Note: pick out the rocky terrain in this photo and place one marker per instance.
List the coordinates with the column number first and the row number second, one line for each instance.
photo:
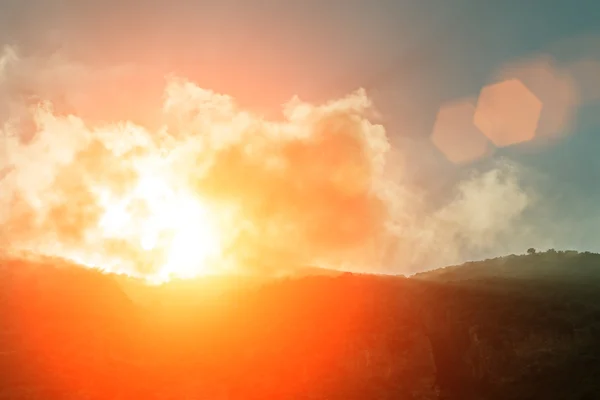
column 523, row 327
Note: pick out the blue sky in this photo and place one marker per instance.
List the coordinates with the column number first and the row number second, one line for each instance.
column 412, row 57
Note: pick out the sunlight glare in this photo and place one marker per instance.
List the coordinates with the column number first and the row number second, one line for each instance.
column 172, row 223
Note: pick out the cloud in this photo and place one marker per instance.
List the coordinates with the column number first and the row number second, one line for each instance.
column 483, row 217
column 299, row 189
column 314, row 188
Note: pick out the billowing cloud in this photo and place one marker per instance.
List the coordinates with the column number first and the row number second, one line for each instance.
column 211, row 183
column 483, row 217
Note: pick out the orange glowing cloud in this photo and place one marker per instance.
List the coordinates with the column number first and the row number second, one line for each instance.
column 209, row 187
column 213, row 188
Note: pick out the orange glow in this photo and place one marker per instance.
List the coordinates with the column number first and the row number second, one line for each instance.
column 212, row 189
column 176, row 224
column 152, row 221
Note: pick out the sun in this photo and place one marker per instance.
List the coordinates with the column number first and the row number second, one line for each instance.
column 170, row 226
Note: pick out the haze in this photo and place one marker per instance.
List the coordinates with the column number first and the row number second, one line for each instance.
column 459, row 192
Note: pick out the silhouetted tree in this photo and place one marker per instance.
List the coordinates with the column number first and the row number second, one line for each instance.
column 531, row 250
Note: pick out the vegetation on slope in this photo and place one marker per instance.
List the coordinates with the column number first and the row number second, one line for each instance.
column 518, row 327
column 530, row 325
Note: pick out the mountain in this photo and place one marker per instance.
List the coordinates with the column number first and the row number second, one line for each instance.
column 517, row 327
column 525, row 327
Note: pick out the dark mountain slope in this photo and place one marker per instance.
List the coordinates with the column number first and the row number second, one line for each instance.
column 526, row 327
column 511, row 328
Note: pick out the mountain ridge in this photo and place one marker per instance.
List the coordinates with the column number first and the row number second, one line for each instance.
column 504, row 328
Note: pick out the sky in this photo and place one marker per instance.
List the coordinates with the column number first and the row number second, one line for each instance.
column 413, row 57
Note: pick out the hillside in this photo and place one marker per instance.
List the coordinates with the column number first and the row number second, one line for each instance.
column 519, row 327
column 529, row 325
